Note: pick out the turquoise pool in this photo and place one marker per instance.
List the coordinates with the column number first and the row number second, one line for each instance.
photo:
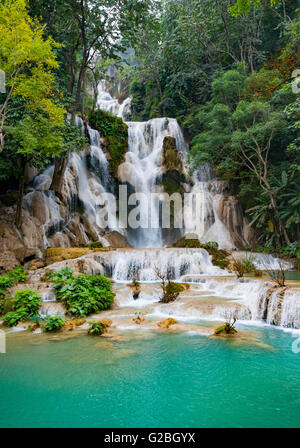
column 161, row 380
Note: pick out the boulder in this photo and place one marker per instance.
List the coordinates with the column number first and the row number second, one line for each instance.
column 116, row 240
column 136, row 289
column 8, row 261
column 167, row 323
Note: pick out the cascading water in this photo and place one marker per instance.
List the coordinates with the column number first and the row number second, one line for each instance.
column 142, row 169
column 86, row 180
column 207, row 212
column 109, row 104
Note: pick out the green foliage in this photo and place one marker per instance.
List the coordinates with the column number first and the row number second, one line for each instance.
column 171, row 291
column 12, row 318
column 115, row 131
column 18, row 275
column 28, row 60
column 28, row 299
column 219, row 257
column 25, row 304
column 97, row 328
column 96, row 245
column 292, row 250
column 227, row 329
column 9, row 279
column 244, row 6
column 54, row 323
column 82, row 294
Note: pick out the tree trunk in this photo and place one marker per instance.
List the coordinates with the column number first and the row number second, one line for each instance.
column 81, row 77
column 58, row 176
column 278, row 219
column 20, row 196
column 83, row 94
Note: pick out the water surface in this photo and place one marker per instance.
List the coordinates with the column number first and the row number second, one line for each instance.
column 150, row 380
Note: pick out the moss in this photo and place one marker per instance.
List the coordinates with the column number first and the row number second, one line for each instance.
column 219, row 256
column 167, row 323
column 96, row 245
column 172, row 160
column 173, row 177
column 54, row 255
column 116, row 133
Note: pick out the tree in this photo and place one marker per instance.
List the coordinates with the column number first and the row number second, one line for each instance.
column 244, row 6
column 36, row 140
column 247, row 142
column 28, row 61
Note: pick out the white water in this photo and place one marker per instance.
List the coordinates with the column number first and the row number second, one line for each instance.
column 109, row 104
column 82, row 185
column 143, row 167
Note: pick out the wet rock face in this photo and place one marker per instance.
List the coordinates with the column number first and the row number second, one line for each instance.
column 230, row 213
column 8, row 261
column 116, row 240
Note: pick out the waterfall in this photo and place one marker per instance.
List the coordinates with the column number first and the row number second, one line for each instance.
column 143, row 167
column 86, row 180
column 109, row 104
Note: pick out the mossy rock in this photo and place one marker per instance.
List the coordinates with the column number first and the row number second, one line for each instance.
column 115, row 132
column 95, row 245
column 54, row 255
column 173, row 177
column 219, row 256
column 225, row 330
column 167, row 323
column 172, row 159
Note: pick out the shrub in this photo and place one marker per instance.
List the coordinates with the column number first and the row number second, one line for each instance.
column 245, row 266
column 222, row 263
column 14, row 317
column 27, row 299
column 292, row 250
column 238, row 268
column 97, row 328
column 96, row 245
column 18, row 275
column 25, row 305
column 82, row 294
column 11, row 278
column 54, row 323
column 227, row 329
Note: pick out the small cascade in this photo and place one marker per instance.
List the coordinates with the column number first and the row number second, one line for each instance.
column 212, row 213
column 109, row 104
column 142, row 264
column 264, row 262
column 290, row 309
